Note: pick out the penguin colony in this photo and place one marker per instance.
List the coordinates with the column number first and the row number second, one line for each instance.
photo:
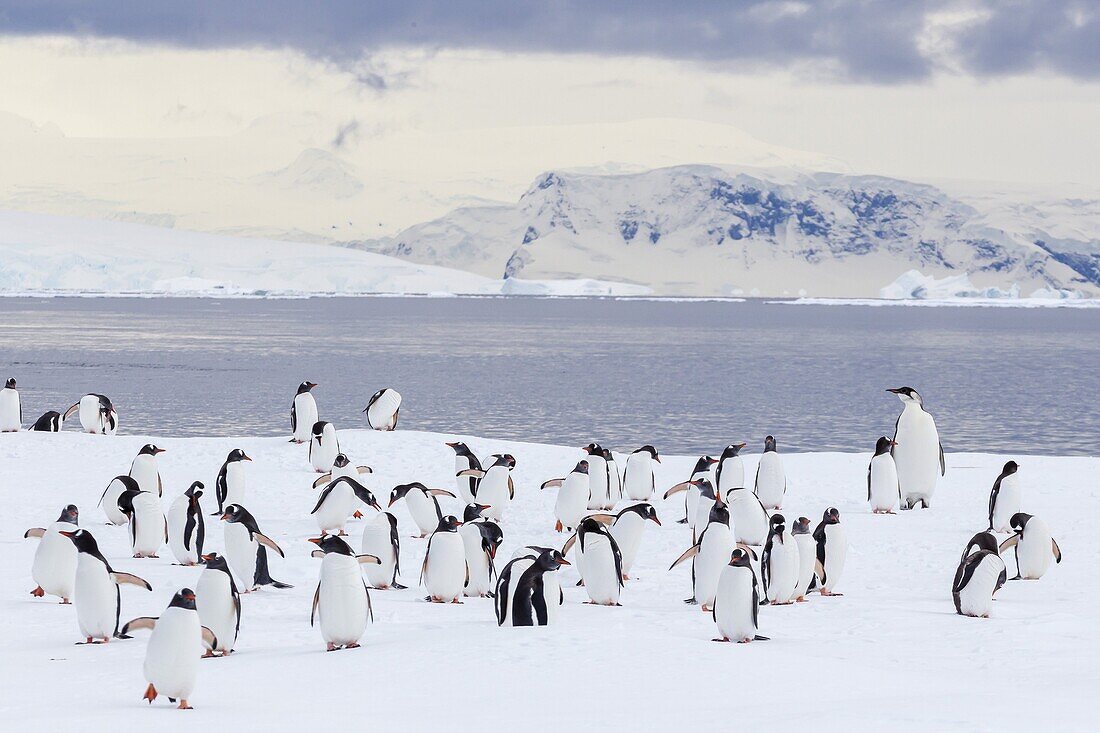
column 743, row 552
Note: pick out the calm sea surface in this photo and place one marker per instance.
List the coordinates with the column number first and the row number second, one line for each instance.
column 686, row 377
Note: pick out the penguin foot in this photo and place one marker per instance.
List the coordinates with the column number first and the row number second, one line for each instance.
column 800, row 599
column 398, row 586
column 457, row 601
column 209, row 654
column 826, row 592
column 352, row 646
column 1018, row 577
column 722, row 639
column 690, row 601
column 682, row 521
column 358, row 514
column 150, row 693
column 342, row 533
column 38, row 592
column 705, row 608
column 331, row 647
column 184, row 705
column 65, row 602
column 765, row 602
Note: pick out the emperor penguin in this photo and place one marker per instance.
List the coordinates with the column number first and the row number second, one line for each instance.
column 638, row 480
column 147, row 524
column 54, row 565
column 917, row 452
column 709, row 556
column 572, row 502
column 614, row 480
column 444, row 572
column 628, row 528
column 737, row 601
column 229, row 487
column 186, row 526
column 729, row 474
column 97, row 414
column 807, row 557
column 246, row 549
column 337, row 502
column 50, row 422
column 1034, row 546
column 750, row 518
column 219, row 604
column 495, row 488
column 600, row 563
column 109, row 500
column 464, row 460
column 481, row 538
column 303, row 413
column 172, row 655
column 382, row 409
column 324, row 446
column 521, row 598
column 146, row 471
column 980, row 575
column 883, row 490
column 599, row 484
column 11, row 411
column 771, row 479
column 1004, row 499
column 95, row 591
column 832, row 549
column 341, row 603
column 380, row 538
column 422, row 503
column 779, row 565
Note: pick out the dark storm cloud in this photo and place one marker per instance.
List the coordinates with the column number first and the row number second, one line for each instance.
column 870, row 40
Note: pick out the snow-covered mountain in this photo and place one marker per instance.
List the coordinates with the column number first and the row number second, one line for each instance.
column 704, row 230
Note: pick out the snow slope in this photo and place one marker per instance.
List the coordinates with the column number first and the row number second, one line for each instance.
column 890, row 651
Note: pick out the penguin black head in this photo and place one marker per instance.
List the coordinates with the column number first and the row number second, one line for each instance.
column 195, row 490
column 460, row 448
column 802, row 526
column 778, row 521
column 306, row 387
column 401, row 490
column 550, row 560
column 185, row 599
column 739, row 558
column 149, row 450
column 83, row 540
column 491, row 537
column 581, row 467
column 732, row 450
column 236, row 455
column 69, row 514
column 506, row 459
column 341, row 460
column 606, row 455
column 1019, row 521
column 10, row 384
column 983, row 541
column 720, row 513
column 448, row 523
column 1010, row 468
column 651, row 451
column 332, row 543
column 706, row 488
column 831, row 516
column 593, row 449
column 473, row 512
column 319, row 429
column 126, row 501
column 588, row 524
column 644, row 510
column 704, row 464
column 883, row 445
column 214, row 561
column 233, row 513
column 907, row 394
column 769, row 444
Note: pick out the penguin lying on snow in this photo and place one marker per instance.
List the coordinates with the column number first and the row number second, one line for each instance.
column 54, row 566
column 521, row 589
column 979, row 576
column 96, row 590
column 341, row 603
column 1034, row 546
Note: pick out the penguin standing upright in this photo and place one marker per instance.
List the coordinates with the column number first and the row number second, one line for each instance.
column 771, row 479
column 749, row 517
column 97, row 414
column 146, row 471
column 246, row 549
column 175, row 646
column 229, row 487
column 702, row 470
column 186, row 526
column 832, row 549
column 303, row 413
column 380, row 538
column 495, row 489
column 709, row 556
column 627, row 529
column 521, row 597
column 737, row 601
column 480, row 538
column 219, row 603
column 600, row 563
column 779, row 565
column 638, row 480
column 422, row 503
column 337, row 502
column 444, row 572
column 323, row 446
column 598, row 483
column 573, row 494
column 552, row 595
column 95, row 592
column 730, row 471
column 1034, row 546
column 464, row 460
column 980, row 575
column 1004, row 499
column 109, row 500
column 807, row 557
column 343, row 467
column 11, row 411
column 54, row 565
column 341, row 603
column 917, row 451
column 614, row 480
column 883, row 490
column 147, row 524
column 50, row 422
column 382, row 409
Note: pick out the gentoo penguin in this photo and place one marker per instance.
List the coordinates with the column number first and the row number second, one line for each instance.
column 737, row 601
column 1034, row 546
column 54, row 566
column 97, row 414
column 627, row 529
column 883, row 490
column 807, row 557
column 229, row 486
column 246, row 549
column 730, row 471
column 341, row 603
column 323, row 446
column 614, row 480
column 552, row 594
column 50, row 422
column 599, row 484
column 750, row 518
column 495, row 489
column 638, row 481
column 145, row 470
column 521, row 598
column 480, row 538
column 382, row 409
column 11, row 412
column 600, row 563
column 691, row 498
column 186, row 526
column 380, row 539
column 704, row 504
column 1004, row 499
column 337, row 502
column 95, row 592
column 832, row 549
column 109, row 500
column 422, row 503
column 709, row 556
column 771, row 479
column 172, row 656
column 303, row 413
column 444, row 572
column 219, row 603
column 572, row 501
column 980, row 574
column 342, row 466
column 917, row 451
column 465, row 459
column 147, row 524
column 779, row 565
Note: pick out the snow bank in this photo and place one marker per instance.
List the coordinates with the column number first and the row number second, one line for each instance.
column 914, row 284
column 891, row 649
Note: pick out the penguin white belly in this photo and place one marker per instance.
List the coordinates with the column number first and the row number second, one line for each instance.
column 234, row 484
column 172, row 656
column 322, row 453
column 305, row 415
column 1008, row 503
column 749, row 520
column 917, row 454
column 91, row 420
column 464, row 484
column 703, row 505
column 691, row 510
column 627, row 531
column 732, row 476
column 342, row 603
column 147, row 529
column 572, row 502
column 376, row 541
column 382, row 414
column 96, row 598
column 597, row 566
column 771, row 480
column 109, row 502
column 177, row 521
column 976, row 598
column 422, row 509
column 807, row 558
column 638, row 481
column 476, row 560
column 614, row 485
column 217, row 611
column 54, row 565
column 9, row 410
column 783, row 571
column 240, row 553
column 836, row 552
column 733, row 604
column 1034, row 551
column 714, row 554
column 446, row 571
column 597, row 482
column 552, row 595
column 332, row 515
column 493, row 490
column 884, row 484
column 145, row 471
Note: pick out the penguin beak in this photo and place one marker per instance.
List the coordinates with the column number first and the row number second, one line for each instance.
column 392, row 500
column 451, row 445
column 158, row 450
column 657, row 458
column 208, row 558
column 375, row 505
column 247, row 458
column 656, row 519
column 483, row 507
column 225, row 517
column 894, row 442
column 67, row 534
column 314, row 540
column 563, row 561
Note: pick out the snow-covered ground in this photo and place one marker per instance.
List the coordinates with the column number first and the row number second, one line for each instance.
column 890, row 653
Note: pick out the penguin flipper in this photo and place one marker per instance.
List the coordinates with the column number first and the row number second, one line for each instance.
column 316, row 602
column 943, row 463
column 569, row 544
column 538, row 600
column 511, row 488
column 34, row 532
column 143, row 622
column 265, row 540
column 320, row 500
column 554, row 483
column 1056, row 549
column 603, row 518
column 121, row 578
column 368, row 559
column 682, row 486
column 475, row 472
column 70, row 411
column 427, row 554
column 317, row 554
column 324, row 478
column 208, row 638
column 363, row 469
column 440, row 492
column 1011, row 542
column 688, row 553
column 819, row 571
